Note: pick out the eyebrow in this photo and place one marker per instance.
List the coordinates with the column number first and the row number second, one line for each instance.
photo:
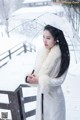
column 47, row 36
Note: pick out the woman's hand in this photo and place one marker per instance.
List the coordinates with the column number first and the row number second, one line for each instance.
column 32, row 79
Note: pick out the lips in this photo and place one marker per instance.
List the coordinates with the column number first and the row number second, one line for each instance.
column 46, row 45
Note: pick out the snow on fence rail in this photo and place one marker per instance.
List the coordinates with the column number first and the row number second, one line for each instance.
column 19, row 104
column 16, row 50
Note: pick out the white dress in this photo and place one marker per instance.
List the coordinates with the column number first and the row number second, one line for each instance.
column 47, row 67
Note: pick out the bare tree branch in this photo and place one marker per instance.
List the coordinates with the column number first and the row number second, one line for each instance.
column 6, row 9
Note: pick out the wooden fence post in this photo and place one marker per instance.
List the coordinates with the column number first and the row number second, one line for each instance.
column 9, row 54
column 30, row 48
column 25, row 48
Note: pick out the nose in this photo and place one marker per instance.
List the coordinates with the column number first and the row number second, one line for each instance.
column 45, row 41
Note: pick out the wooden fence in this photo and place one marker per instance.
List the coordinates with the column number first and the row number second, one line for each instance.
column 16, row 50
column 21, row 103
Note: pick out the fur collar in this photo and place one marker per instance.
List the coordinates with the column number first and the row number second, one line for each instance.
column 47, row 59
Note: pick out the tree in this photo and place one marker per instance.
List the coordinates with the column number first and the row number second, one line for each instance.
column 73, row 12
column 6, row 8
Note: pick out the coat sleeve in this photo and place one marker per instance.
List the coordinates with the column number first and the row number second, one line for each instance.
column 45, row 81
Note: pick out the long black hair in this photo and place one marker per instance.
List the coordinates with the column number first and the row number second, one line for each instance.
column 60, row 39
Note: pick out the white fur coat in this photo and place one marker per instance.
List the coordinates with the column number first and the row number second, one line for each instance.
column 47, row 67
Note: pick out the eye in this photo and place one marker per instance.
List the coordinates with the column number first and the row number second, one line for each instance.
column 48, row 38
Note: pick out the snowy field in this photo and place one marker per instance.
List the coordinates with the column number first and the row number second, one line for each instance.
column 13, row 74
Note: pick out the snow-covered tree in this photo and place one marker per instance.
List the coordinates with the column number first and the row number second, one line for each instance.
column 6, row 8
column 72, row 8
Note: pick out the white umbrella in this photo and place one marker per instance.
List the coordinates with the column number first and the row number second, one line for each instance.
column 59, row 22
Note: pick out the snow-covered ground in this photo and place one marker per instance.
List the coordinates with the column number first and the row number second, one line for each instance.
column 13, row 74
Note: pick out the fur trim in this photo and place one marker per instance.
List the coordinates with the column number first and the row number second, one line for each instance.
column 48, row 62
column 43, row 82
column 46, row 65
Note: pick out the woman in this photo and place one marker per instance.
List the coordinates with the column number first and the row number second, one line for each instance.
column 50, row 72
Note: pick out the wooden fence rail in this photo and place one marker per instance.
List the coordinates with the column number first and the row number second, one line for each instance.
column 21, row 103
column 16, row 50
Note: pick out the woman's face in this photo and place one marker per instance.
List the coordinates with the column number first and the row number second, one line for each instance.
column 48, row 39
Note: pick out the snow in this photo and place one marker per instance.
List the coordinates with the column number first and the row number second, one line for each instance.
column 33, row 12
column 71, row 92
column 5, row 98
column 8, row 43
column 13, row 74
column 75, row 69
